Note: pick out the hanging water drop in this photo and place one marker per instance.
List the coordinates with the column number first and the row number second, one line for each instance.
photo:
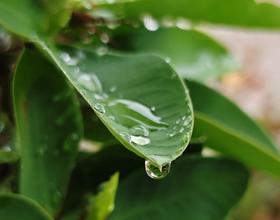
column 157, row 172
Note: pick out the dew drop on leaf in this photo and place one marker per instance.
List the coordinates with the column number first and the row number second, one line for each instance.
column 140, row 140
column 68, row 59
column 157, row 172
column 90, row 82
column 99, row 108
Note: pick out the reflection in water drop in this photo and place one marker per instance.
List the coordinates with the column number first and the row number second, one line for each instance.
column 99, row 108
column 140, row 130
column 157, row 172
column 134, row 113
column 140, row 140
column 150, row 23
column 90, row 82
column 68, row 59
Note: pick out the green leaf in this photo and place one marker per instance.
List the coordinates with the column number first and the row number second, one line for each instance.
column 246, row 13
column 31, row 19
column 228, row 130
column 191, row 53
column 25, row 18
column 90, row 4
column 95, row 130
column 8, row 157
column 14, row 207
column 101, row 166
column 197, row 188
column 49, row 127
column 140, row 99
column 103, row 203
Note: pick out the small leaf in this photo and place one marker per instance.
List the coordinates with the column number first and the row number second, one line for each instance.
column 207, row 190
column 49, row 126
column 192, row 54
column 103, row 203
column 101, row 165
column 35, row 19
column 227, row 129
column 15, row 207
column 140, row 99
column 244, row 13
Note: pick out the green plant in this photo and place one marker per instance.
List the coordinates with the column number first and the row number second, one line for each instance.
column 103, row 74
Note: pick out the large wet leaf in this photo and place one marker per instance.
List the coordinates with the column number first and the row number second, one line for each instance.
column 48, row 129
column 233, row 12
column 208, row 189
column 14, row 207
column 191, row 53
column 102, row 204
column 140, row 99
column 229, row 130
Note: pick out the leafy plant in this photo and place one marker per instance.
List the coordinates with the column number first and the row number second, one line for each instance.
column 90, row 76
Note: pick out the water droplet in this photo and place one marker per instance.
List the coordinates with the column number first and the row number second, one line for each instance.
column 167, row 60
column 150, row 23
column 167, row 22
column 101, row 96
column 183, row 24
column 187, row 121
column 111, row 117
column 104, row 38
column 68, row 59
column 101, row 51
column 157, row 172
column 125, row 135
column 140, row 130
column 113, row 89
column 140, row 140
column 171, row 134
column 99, row 108
column 90, row 82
